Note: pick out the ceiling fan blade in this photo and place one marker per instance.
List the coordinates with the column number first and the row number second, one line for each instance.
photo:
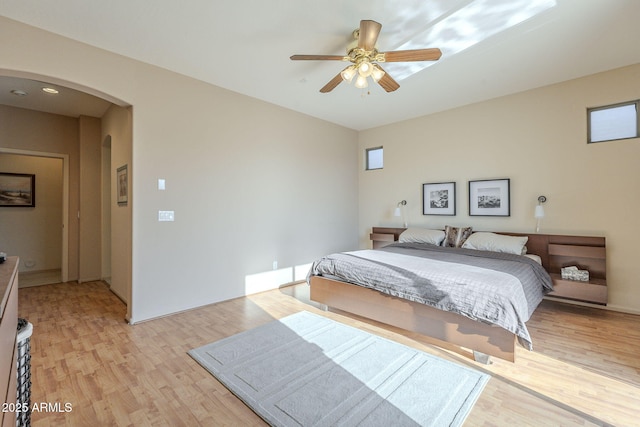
column 369, row 31
column 387, row 82
column 432, row 54
column 316, row 57
column 332, row 84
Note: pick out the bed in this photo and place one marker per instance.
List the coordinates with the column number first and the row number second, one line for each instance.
column 476, row 296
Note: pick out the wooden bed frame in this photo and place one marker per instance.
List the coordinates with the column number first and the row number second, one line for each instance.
column 483, row 339
column 412, row 316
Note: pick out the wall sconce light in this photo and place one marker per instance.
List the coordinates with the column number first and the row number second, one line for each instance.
column 539, row 212
column 400, row 211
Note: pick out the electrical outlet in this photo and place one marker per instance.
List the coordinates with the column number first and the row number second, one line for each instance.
column 161, row 184
column 275, row 265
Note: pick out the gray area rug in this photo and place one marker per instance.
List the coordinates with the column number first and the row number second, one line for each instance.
column 308, row 370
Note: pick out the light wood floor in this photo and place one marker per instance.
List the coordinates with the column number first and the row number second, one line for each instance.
column 585, row 369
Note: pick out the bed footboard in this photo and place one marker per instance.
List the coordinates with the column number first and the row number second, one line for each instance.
column 445, row 326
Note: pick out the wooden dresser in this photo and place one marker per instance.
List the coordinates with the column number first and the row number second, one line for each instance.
column 556, row 252
column 8, row 335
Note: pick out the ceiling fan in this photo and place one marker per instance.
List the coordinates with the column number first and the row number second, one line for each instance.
column 366, row 59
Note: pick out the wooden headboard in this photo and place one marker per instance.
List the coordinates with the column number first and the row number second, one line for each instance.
column 555, row 251
column 585, row 252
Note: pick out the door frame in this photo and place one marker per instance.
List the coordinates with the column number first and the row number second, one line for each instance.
column 64, row 268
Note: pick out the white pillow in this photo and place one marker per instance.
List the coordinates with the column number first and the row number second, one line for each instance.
column 422, row 235
column 536, row 258
column 493, row 242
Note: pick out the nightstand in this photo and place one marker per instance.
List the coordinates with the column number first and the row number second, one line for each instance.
column 587, row 253
column 383, row 236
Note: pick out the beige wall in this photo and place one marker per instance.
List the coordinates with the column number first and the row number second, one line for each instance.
column 90, row 263
column 250, row 183
column 106, row 208
column 538, row 140
column 34, row 234
column 116, row 133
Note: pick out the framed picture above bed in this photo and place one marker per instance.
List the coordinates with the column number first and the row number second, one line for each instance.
column 489, row 197
column 439, row 198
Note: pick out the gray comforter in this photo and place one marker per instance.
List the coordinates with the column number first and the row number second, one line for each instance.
column 495, row 288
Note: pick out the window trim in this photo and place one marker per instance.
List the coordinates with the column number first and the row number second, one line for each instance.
column 610, row 106
column 366, row 155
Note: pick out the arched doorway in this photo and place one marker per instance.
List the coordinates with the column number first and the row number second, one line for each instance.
column 104, row 172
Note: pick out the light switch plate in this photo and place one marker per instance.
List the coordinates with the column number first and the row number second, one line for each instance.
column 161, row 185
column 165, row 216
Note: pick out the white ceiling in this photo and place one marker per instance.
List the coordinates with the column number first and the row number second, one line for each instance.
column 490, row 47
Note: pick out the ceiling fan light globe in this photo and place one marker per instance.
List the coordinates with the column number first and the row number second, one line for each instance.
column 361, row 82
column 376, row 73
column 365, row 68
column 348, row 74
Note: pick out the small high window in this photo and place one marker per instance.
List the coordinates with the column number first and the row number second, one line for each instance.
column 374, row 158
column 611, row 122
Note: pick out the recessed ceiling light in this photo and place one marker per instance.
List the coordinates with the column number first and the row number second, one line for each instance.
column 19, row 92
column 50, row 90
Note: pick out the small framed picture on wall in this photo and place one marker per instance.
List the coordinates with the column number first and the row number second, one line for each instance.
column 123, row 185
column 489, row 197
column 439, row 198
column 17, row 190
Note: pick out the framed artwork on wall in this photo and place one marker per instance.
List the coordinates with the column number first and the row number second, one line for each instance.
column 17, row 190
column 439, row 198
column 122, row 182
column 489, row 198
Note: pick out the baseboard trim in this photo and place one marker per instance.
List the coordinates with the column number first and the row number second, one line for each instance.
column 27, row 279
column 135, row 322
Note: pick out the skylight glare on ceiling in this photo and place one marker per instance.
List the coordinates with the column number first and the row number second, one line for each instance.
column 462, row 29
